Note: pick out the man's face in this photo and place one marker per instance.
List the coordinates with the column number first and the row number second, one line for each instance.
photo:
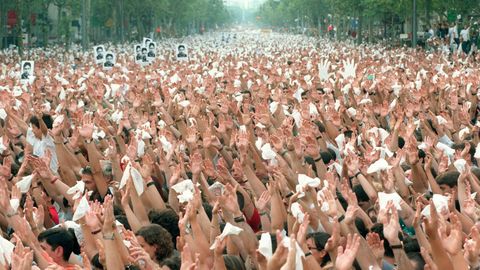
column 88, row 180
column 181, row 49
column 37, row 132
column 56, row 254
column 144, row 51
column 109, row 58
column 100, row 50
column 150, row 249
column 27, row 68
column 138, row 49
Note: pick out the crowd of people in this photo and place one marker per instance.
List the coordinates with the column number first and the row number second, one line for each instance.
column 461, row 38
column 263, row 151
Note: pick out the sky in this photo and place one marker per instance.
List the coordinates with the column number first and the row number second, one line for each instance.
column 244, row 3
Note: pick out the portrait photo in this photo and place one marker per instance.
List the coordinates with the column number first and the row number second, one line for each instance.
column 99, row 53
column 27, row 70
column 182, row 53
column 109, row 60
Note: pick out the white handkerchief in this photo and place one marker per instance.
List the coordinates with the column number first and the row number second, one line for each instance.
column 2, row 146
column 299, row 252
column 379, row 165
column 98, row 134
column 78, row 190
column 460, row 165
column 440, row 202
column 24, row 184
column 297, row 212
column 137, row 180
column 180, row 187
column 3, row 114
column 184, row 103
column 392, row 105
column 82, row 209
column 463, row 132
column 6, row 250
column 477, row 151
column 273, row 107
column 298, row 94
column 312, row 109
column 305, row 180
column 351, row 112
column 445, row 148
column 117, row 116
column 384, row 198
column 340, row 140
column 230, row 230
column 441, row 120
column 365, row 101
column 140, row 148
column 14, row 203
column 265, row 245
column 125, row 176
column 185, row 196
column 166, row 145
column 267, row 152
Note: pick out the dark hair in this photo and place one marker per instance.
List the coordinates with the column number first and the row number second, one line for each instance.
column 98, row 48
column 48, row 120
column 168, row 219
column 174, row 262
column 181, row 46
column 124, row 220
column 86, row 170
column 320, row 239
column 95, row 261
column 401, row 142
column 109, row 54
column 378, row 228
column 418, row 259
column 448, row 178
column 157, row 236
column 151, row 45
column 233, row 262
column 27, row 64
column 59, row 237
column 34, row 121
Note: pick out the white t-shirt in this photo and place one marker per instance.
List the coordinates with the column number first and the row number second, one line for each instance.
column 39, row 147
column 452, row 33
column 465, row 34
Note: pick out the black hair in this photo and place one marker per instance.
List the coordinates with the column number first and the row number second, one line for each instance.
column 48, row 120
column 418, row 259
column 159, row 237
column 86, row 170
column 181, row 47
column 401, row 142
column 233, row 262
column 34, row 121
column 448, row 178
column 95, row 261
column 320, row 239
column 27, row 64
column 362, row 229
column 59, row 237
column 109, row 54
column 173, row 262
column 168, row 219
column 124, row 220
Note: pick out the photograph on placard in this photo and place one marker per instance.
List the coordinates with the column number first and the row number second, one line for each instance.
column 182, row 52
column 146, row 41
column 137, row 50
column 27, row 70
column 152, row 51
column 109, row 60
column 99, row 54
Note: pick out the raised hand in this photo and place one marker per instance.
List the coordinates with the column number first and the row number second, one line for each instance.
column 346, row 256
